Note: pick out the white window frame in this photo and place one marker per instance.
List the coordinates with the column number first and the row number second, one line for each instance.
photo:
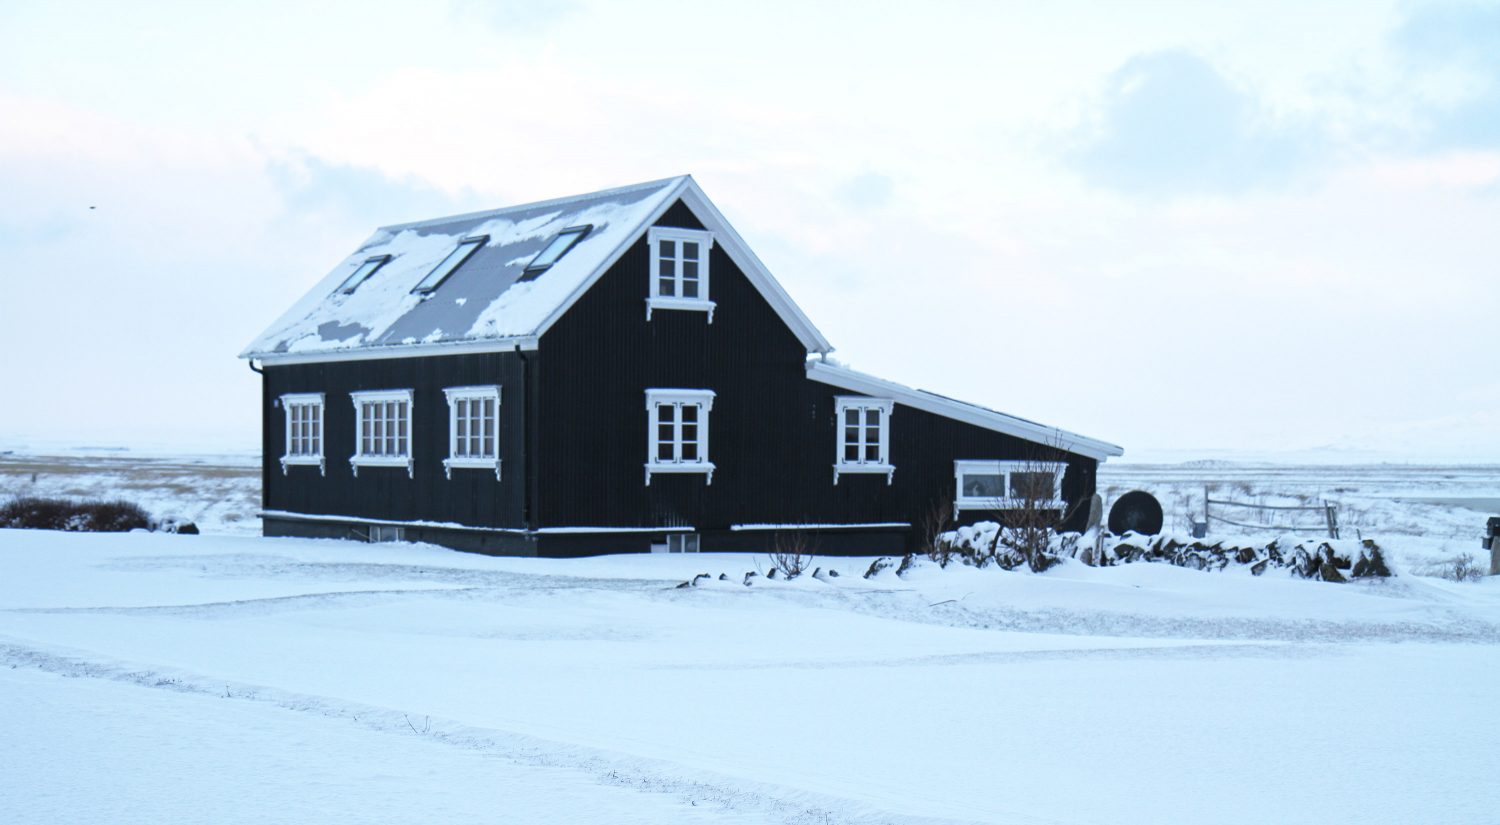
column 705, row 241
column 359, row 459
column 288, row 457
column 843, row 403
column 962, row 502
column 657, row 398
column 454, row 460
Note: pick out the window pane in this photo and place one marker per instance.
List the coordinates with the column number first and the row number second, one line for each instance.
column 664, row 432
column 667, row 249
column 689, row 451
column 851, row 453
column 689, row 413
column 851, row 417
column 689, row 269
column 1031, row 486
column 689, row 251
column 667, row 287
column 984, row 485
column 666, row 269
column 851, row 435
column 872, row 418
column 454, row 260
column 689, row 432
column 872, row 454
column 664, row 450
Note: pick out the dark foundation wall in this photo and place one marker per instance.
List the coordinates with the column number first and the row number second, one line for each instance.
column 471, row 496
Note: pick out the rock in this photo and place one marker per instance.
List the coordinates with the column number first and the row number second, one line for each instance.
column 1329, row 573
column 832, row 574
column 723, row 577
column 186, row 528
column 701, row 577
column 684, row 584
column 906, row 563
column 876, row 566
column 1259, row 567
column 749, row 577
column 771, row 574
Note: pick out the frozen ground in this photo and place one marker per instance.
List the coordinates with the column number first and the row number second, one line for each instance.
column 236, row 679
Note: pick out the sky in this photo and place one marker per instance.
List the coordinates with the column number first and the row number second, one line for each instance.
column 1194, row 230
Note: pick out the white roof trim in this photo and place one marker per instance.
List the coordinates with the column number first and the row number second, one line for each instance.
column 688, row 191
column 999, row 422
column 276, row 359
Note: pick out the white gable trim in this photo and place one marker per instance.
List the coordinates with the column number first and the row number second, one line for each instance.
column 688, row 191
column 848, row 379
column 528, row 342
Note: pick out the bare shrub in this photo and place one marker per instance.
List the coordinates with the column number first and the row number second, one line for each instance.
column 791, row 552
column 76, row 516
column 934, row 523
column 1028, row 514
column 1460, row 568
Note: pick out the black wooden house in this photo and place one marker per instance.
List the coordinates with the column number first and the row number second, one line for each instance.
column 613, row 372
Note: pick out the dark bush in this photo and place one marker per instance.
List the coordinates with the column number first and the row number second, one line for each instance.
column 74, row 516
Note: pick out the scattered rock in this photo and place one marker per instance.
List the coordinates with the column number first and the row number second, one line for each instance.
column 878, row 565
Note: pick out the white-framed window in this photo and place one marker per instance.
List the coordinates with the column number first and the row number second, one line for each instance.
column 864, row 436
column 1007, row 485
column 304, row 430
column 382, row 429
column 677, row 432
column 473, row 429
column 679, row 269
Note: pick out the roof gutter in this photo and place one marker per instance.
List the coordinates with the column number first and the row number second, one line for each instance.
column 375, row 353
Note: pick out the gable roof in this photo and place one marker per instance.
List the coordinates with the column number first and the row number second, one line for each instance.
column 485, row 305
column 845, row 378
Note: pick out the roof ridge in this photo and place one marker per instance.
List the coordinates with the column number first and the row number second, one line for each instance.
column 534, row 204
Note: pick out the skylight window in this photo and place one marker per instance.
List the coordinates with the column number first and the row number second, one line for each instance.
column 364, row 271
column 556, row 249
column 450, row 264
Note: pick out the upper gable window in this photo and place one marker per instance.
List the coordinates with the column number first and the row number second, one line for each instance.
column 364, row 271
column 554, row 251
column 864, row 436
column 679, row 269
column 448, row 265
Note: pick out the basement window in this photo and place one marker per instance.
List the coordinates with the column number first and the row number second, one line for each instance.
column 1007, row 485
column 677, row 432
column 473, row 429
column 382, row 430
column 679, row 270
column 304, row 430
column 864, row 436
column 554, row 251
column 450, row 264
column 364, row 271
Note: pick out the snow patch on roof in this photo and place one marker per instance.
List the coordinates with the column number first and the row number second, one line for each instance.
column 483, row 299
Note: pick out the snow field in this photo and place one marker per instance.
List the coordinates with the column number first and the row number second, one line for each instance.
column 203, row 678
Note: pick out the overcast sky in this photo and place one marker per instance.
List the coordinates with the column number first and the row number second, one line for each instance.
column 1254, row 226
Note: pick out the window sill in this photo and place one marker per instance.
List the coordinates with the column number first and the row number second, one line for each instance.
column 695, row 304
column 382, row 461
column 451, row 464
column 704, row 467
column 872, row 469
column 304, row 461
column 995, row 505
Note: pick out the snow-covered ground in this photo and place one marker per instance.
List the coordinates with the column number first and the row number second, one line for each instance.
column 239, row 679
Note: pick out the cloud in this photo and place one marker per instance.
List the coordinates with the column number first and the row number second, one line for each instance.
column 515, row 16
column 356, row 195
column 1171, row 123
column 1457, row 48
column 867, row 190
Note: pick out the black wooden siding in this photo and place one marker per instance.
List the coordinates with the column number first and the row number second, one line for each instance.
column 578, row 460
column 772, row 431
column 471, row 497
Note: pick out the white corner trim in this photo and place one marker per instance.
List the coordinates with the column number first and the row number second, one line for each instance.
column 847, row 379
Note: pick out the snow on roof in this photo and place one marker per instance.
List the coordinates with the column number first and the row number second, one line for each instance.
column 483, row 300
column 845, row 378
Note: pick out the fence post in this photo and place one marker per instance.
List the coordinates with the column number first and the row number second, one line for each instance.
column 1330, row 513
column 1205, row 511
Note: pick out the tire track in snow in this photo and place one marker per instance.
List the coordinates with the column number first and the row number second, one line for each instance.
column 787, row 805
column 239, row 608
